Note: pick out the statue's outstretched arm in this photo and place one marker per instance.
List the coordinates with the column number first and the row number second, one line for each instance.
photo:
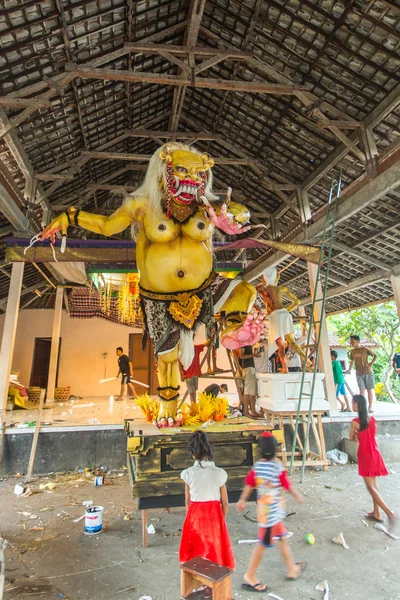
column 289, row 294
column 105, row 225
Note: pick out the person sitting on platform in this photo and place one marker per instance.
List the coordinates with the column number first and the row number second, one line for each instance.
column 204, row 531
column 247, row 355
column 126, row 370
column 191, row 375
column 339, row 380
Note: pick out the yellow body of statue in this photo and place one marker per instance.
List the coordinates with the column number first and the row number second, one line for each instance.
column 273, row 297
column 175, row 223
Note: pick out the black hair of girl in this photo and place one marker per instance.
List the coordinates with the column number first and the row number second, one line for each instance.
column 362, row 410
column 200, row 447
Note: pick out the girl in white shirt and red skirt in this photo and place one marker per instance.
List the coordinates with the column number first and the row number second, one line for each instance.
column 204, row 532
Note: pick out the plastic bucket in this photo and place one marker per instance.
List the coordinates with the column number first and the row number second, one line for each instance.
column 93, row 520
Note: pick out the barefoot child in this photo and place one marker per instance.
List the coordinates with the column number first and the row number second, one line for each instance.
column 339, row 380
column 370, row 461
column 205, row 532
column 270, row 479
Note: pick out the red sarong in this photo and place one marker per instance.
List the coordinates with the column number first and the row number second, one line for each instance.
column 205, row 534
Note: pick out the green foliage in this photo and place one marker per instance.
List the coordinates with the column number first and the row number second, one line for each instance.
column 378, row 324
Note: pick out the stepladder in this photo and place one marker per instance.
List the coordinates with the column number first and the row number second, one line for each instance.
column 202, row 579
column 313, row 457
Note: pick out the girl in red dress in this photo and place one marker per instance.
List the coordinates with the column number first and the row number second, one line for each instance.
column 204, row 532
column 370, row 461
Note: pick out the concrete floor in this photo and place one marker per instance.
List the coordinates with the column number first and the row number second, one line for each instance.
column 48, row 555
column 95, row 411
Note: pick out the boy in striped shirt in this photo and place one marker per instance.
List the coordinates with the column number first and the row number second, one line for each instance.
column 270, row 479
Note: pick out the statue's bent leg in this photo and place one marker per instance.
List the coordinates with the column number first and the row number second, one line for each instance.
column 242, row 328
column 168, row 379
column 289, row 337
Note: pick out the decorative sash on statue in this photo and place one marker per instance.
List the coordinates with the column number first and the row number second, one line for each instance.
column 184, row 307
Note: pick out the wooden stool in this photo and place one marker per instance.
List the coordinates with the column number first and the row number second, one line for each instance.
column 203, row 571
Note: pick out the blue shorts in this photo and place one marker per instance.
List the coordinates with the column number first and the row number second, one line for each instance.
column 340, row 389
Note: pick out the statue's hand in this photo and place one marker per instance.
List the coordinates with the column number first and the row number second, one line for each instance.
column 223, row 221
column 60, row 223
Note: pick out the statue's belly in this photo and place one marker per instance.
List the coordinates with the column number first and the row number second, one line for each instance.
column 175, row 267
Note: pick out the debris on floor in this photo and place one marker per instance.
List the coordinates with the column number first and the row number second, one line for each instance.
column 339, row 539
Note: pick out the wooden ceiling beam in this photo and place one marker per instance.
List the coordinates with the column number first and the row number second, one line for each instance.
column 351, row 286
column 259, row 87
column 379, row 113
column 183, row 135
column 139, row 47
column 53, row 177
column 219, row 160
column 255, row 166
column 13, row 102
column 325, row 124
column 195, row 16
column 22, row 159
column 363, row 256
column 349, row 205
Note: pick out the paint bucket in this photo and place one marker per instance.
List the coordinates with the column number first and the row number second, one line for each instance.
column 93, row 520
column 99, row 480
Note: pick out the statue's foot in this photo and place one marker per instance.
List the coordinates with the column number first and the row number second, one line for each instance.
column 248, row 333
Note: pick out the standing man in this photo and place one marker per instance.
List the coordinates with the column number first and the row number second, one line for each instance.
column 247, row 355
column 365, row 378
column 191, row 375
column 126, row 370
column 396, row 363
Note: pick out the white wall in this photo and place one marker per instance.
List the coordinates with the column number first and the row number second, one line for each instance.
column 83, row 343
column 82, row 346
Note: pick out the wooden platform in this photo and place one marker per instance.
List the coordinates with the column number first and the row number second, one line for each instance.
column 156, row 461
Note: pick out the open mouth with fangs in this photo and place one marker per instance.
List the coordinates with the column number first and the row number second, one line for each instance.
column 185, row 191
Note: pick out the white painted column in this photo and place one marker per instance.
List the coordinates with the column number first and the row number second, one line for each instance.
column 7, row 343
column 325, row 363
column 395, row 281
column 55, row 344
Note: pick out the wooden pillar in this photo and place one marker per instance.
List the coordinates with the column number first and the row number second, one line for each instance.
column 55, row 344
column 395, row 281
column 7, row 344
column 325, row 363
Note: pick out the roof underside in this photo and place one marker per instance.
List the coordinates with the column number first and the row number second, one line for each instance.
column 342, row 58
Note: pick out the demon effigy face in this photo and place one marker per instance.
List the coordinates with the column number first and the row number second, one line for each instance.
column 186, row 176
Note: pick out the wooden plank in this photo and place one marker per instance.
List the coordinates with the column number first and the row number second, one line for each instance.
column 145, row 533
column 13, row 102
column 259, row 87
column 184, row 135
column 53, row 177
column 220, row 160
column 35, row 439
column 339, row 124
column 183, row 50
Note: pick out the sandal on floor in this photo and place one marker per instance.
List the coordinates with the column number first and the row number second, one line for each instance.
column 371, row 517
column 253, row 588
column 302, row 566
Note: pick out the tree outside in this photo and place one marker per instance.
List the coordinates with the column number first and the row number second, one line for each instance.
column 379, row 324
